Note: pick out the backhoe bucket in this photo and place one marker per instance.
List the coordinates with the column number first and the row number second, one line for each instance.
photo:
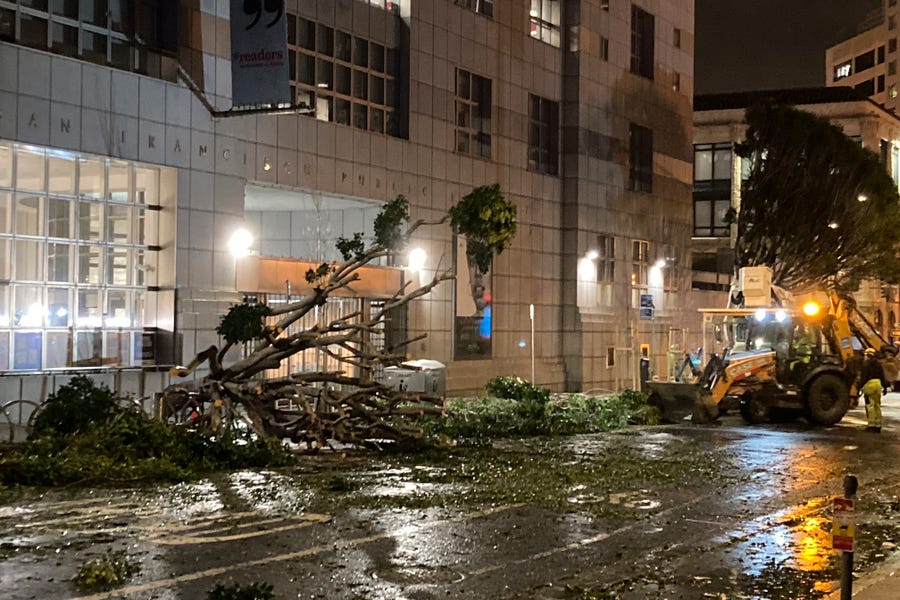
column 677, row 400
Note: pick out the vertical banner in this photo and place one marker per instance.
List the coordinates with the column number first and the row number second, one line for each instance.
column 259, row 55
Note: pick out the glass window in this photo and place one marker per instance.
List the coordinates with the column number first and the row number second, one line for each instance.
column 93, row 46
column 57, row 350
column 640, row 164
column 376, row 57
column 360, row 85
column 29, row 306
column 545, row 20
column 146, row 186
column 33, row 30
column 30, row 173
column 64, row 39
column 118, row 266
column 90, row 264
column 343, row 46
column 119, row 181
column 307, row 34
column 473, row 114
column 360, row 52
column 90, row 221
column 29, row 215
column 5, row 166
column 5, row 263
column 360, row 116
column 29, row 351
column 59, row 262
column 307, row 69
column 60, row 221
column 90, row 308
column 342, row 80
column 92, row 180
column 88, row 348
column 324, row 76
column 118, row 224
column 5, row 210
column 325, row 40
column 543, row 135
column 642, row 42
column 29, row 261
column 118, row 312
column 59, row 307
column 62, row 175
column 94, row 12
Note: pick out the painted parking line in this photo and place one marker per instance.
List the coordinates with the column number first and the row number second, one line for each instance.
column 205, row 537
column 214, row 572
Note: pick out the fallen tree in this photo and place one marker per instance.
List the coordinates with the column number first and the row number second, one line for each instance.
column 349, row 405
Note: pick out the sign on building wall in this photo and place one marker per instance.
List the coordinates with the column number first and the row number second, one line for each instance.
column 259, row 56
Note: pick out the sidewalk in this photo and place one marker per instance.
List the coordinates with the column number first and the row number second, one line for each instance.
column 881, row 584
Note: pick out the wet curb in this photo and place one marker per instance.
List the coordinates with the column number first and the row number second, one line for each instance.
column 881, row 584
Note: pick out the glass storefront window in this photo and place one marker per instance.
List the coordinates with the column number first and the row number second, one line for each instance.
column 90, row 221
column 59, row 262
column 29, row 260
column 90, row 264
column 74, row 231
column 30, row 172
column 62, row 175
column 5, row 209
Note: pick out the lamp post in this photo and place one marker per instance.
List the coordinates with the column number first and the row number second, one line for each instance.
column 531, row 317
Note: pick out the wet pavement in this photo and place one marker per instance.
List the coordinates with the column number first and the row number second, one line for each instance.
column 725, row 511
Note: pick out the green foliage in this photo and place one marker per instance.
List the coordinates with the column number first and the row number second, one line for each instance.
column 531, row 400
column 800, row 211
column 74, row 408
column 488, row 223
column 126, row 445
column 243, row 322
column 113, row 568
column 351, row 248
column 390, row 224
column 319, row 273
column 251, row 591
column 486, row 418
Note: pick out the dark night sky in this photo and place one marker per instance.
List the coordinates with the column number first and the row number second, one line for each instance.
column 770, row 44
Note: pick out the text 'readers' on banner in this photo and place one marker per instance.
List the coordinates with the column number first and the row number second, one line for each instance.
column 259, row 56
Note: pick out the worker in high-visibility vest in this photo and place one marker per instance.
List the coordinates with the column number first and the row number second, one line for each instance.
column 872, row 380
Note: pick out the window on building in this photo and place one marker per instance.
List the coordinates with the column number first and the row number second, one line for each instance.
column 866, row 88
column 676, row 81
column 604, row 4
column 484, row 7
column 892, row 23
column 473, row 114
column 712, row 189
column 604, row 48
column 864, row 61
column 880, row 55
column 892, row 45
column 126, row 34
column 640, row 166
column 843, row 70
column 543, row 135
column 606, row 259
column 642, row 42
column 892, row 68
column 345, row 78
column 640, row 263
column 545, row 18
column 676, row 38
column 880, row 85
column 78, row 242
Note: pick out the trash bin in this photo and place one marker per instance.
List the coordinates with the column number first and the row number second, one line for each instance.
column 422, row 375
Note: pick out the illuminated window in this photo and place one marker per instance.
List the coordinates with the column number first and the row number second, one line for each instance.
column 473, row 114
column 642, row 42
column 640, row 263
column 545, row 19
column 543, row 135
column 843, row 70
column 77, row 237
column 640, row 165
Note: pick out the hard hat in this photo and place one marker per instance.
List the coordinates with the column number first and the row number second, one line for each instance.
column 870, row 352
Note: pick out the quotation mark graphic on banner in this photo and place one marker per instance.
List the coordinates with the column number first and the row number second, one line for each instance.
column 257, row 7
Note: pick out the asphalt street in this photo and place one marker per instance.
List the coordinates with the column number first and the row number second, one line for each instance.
column 742, row 512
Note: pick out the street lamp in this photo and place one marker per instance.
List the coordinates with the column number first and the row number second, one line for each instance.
column 417, row 258
column 240, row 242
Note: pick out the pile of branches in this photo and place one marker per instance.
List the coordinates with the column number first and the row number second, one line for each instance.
column 314, row 408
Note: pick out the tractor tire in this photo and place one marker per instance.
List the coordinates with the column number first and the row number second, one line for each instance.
column 827, row 399
column 754, row 410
